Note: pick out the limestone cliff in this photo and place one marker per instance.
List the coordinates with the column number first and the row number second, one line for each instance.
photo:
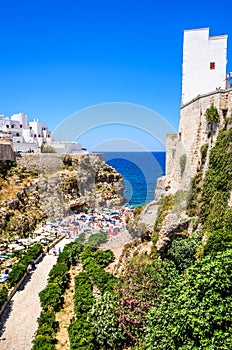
column 46, row 186
column 187, row 157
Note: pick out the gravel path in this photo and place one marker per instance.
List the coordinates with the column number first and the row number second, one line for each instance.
column 19, row 321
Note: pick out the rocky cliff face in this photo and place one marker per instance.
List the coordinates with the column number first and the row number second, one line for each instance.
column 43, row 188
column 187, row 154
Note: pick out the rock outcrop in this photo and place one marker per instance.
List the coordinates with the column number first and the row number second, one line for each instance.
column 32, row 192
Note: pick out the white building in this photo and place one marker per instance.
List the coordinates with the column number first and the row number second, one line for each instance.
column 204, row 63
column 30, row 136
column 27, row 136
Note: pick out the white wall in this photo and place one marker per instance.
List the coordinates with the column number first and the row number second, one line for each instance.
column 66, row 147
column 198, row 51
column 26, row 147
column 22, row 118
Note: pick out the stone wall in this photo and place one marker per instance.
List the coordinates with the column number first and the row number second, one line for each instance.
column 193, row 133
column 6, row 152
column 49, row 161
column 193, row 130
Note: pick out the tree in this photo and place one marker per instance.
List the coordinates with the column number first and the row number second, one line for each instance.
column 47, row 149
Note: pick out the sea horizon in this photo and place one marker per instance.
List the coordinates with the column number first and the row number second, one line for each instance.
column 140, row 170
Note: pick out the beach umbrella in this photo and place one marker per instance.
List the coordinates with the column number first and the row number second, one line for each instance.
column 3, row 278
column 19, row 247
column 75, row 223
column 13, row 245
column 37, row 239
column 23, row 240
column 115, row 213
column 107, row 217
column 60, row 219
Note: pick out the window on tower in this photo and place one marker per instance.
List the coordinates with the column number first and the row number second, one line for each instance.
column 212, row 65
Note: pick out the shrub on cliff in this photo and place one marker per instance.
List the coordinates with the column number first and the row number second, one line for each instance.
column 140, row 289
column 212, row 115
column 217, row 184
column 218, row 241
column 195, row 312
column 183, row 251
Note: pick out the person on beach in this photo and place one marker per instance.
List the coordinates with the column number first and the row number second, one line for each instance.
column 33, row 264
column 54, row 251
column 29, row 268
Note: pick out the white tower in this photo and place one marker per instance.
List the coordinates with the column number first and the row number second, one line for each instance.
column 204, row 63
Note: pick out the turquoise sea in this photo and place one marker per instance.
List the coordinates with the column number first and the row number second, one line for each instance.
column 140, row 171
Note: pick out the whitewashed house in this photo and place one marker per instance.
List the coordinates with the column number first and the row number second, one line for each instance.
column 30, row 136
column 204, row 63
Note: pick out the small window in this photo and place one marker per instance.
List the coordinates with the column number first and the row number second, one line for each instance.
column 212, row 65
column 17, row 134
column 7, row 126
column 21, row 126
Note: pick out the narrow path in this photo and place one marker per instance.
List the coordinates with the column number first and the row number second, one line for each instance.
column 19, row 321
column 65, row 315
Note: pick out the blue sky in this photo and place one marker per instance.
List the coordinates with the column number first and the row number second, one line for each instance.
column 59, row 57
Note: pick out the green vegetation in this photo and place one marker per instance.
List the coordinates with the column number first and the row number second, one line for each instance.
column 51, row 298
column 105, row 315
column 80, row 329
column 183, row 251
column 3, row 295
column 96, row 239
column 215, row 213
column 195, row 312
column 203, row 151
column 20, row 268
column 182, row 163
column 182, row 301
column 218, row 241
column 212, row 115
column 166, row 205
column 47, row 149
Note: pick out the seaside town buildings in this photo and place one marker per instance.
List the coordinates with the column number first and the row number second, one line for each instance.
column 28, row 136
